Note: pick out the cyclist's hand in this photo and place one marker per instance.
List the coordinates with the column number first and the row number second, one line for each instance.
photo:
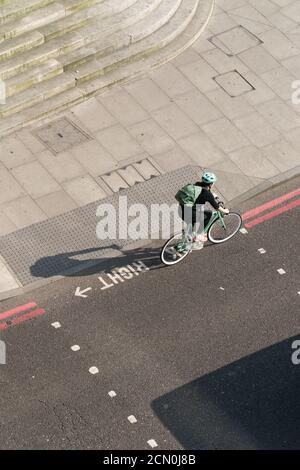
column 226, row 211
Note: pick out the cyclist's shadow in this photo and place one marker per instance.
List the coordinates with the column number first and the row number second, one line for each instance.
column 112, row 257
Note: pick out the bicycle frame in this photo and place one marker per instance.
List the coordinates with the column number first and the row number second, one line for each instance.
column 215, row 216
column 189, row 231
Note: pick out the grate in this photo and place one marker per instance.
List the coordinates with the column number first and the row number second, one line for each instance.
column 60, row 135
column 234, row 83
column 235, row 40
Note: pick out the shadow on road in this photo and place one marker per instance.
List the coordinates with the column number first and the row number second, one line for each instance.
column 250, row 404
column 67, row 264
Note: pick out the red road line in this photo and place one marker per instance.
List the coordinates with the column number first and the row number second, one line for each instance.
column 275, row 202
column 27, row 316
column 272, row 214
column 12, row 312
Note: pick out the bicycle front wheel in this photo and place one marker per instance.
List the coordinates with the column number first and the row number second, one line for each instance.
column 175, row 250
column 221, row 234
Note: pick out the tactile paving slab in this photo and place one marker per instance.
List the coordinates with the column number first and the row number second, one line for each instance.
column 68, row 243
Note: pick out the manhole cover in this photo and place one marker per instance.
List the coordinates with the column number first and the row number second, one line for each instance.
column 61, row 135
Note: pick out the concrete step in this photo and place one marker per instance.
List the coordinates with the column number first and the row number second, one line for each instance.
column 37, row 94
column 20, row 45
column 169, row 40
column 98, row 12
column 51, row 68
column 73, row 6
column 103, row 42
column 33, row 20
column 40, row 54
column 67, row 42
column 50, row 16
column 39, row 111
column 12, row 9
column 159, row 38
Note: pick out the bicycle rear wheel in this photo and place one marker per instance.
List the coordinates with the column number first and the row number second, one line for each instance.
column 175, row 250
column 220, row 234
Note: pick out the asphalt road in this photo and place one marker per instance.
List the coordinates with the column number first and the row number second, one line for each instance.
column 200, row 354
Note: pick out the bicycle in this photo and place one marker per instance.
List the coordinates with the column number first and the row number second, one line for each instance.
column 220, row 229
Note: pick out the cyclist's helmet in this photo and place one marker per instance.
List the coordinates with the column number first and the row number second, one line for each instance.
column 209, row 178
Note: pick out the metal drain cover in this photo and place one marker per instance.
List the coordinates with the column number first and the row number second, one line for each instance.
column 61, row 135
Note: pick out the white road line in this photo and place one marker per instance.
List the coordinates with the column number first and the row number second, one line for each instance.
column 82, row 293
column 75, row 347
column 244, row 231
column 93, row 370
column 132, row 419
column 262, row 251
column 222, row 288
column 152, row 443
column 299, row 292
column 56, row 324
column 112, row 394
column 281, row 271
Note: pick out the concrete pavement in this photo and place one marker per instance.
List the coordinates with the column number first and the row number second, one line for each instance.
column 226, row 105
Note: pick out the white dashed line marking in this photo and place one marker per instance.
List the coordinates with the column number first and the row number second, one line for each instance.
column 93, row 370
column 75, row 347
column 112, row 394
column 152, row 443
column 56, row 324
column 262, row 251
column 299, row 292
column 244, row 231
column 222, row 288
column 281, row 271
column 132, row 419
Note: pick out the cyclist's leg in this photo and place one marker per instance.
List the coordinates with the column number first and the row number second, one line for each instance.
column 185, row 214
column 207, row 216
column 198, row 226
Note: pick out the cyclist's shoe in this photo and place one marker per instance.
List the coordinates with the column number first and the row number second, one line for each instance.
column 199, row 241
column 201, row 238
column 197, row 246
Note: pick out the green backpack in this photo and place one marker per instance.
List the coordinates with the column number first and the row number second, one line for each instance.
column 188, row 195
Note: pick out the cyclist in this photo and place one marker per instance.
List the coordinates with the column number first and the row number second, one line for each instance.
column 207, row 182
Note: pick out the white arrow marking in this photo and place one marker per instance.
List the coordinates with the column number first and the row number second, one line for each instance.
column 81, row 293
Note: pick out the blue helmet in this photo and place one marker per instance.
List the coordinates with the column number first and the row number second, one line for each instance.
column 209, row 178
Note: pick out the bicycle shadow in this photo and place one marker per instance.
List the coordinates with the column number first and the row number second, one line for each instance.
column 75, row 263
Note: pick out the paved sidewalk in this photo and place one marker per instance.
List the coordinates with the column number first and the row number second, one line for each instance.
column 224, row 105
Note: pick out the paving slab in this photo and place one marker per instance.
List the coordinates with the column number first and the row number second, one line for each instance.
column 7, row 278
column 14, row 153
column 254, row 162
column 257, row 129
column 198, row 107
column 83, row 190
column 23, row 212
column 151, row 136
column 227, row 136
column 56, row 203
column 62, row 166
column 174, row 121
column 123, row 107
column 118, row 142
column 35, row 179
